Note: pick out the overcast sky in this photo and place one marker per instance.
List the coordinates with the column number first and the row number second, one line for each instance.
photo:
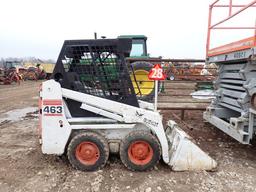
column 175, row 28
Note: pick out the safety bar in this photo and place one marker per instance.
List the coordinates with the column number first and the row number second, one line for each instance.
column 231, row 14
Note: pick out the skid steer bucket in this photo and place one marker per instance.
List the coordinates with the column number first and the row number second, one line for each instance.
column 184, row 154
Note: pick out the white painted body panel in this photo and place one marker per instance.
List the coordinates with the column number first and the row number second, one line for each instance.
column 54, row 137
column 118, row 119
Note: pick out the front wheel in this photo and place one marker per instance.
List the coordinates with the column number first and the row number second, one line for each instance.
column 88, row 151
column 140, row 151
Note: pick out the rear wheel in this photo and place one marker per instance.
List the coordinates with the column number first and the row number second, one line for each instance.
column 140, row 151
column 143, row 87
column 88, row 151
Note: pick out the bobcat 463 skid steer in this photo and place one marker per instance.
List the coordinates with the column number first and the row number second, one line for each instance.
column 89, row 109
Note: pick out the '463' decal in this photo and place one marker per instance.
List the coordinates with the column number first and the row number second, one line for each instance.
column 53, row 110
column 52, row 107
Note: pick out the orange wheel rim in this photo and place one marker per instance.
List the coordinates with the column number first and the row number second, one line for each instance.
column 87, row 153
column 140, row 152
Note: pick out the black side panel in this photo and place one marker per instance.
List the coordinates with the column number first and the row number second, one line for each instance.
column 95, row 67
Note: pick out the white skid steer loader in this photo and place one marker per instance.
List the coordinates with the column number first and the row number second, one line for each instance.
column 89, row 109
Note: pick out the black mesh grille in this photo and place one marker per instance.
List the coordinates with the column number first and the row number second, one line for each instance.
column 96, row 67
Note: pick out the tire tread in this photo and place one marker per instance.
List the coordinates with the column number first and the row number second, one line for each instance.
column 79, row 136
column 123, row 152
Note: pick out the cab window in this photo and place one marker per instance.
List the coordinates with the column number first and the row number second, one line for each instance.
column 137, row 48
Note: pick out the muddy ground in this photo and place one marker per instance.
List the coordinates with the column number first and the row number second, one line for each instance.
column 24, row 168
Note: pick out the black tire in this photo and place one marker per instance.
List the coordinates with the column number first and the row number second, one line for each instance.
column 142, row 65
column 145, row 162
column 89, row 140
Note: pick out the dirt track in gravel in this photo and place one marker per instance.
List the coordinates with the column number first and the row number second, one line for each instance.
column 24, row 168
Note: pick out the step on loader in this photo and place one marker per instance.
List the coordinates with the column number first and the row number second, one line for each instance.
column 89, row 109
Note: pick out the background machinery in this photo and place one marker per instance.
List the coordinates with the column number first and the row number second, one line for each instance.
column 140, row 63
column 233, row 109
column 89, row 108
column 38, row 69
column 143, row 86
column 13, row 71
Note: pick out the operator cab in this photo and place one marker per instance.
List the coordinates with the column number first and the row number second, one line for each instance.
column 139, row 45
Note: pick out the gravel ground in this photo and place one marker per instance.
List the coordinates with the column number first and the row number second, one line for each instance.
column 24, row 168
